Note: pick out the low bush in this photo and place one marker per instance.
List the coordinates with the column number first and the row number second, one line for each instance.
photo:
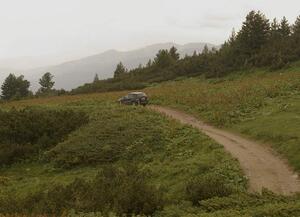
column 25, row 132
column 121, row 190
column 115, row 133
column 246, row 204
column 14, row 153
column 44, row 127
column 207, row 186
column 243, row 200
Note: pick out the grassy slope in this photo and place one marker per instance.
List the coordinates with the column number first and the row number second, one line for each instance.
column 261, row 105
column 170, row 153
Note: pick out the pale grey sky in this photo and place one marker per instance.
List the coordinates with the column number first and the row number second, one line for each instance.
column 74, row 28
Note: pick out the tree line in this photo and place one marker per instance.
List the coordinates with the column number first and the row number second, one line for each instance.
column 259, row 43
column 17, row 87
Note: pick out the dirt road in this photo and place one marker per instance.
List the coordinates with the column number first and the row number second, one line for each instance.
column 263, row 168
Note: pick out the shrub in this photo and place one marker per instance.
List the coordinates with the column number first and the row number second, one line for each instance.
column 115, row 134
column 122, row 190
column 35, row 126
column 14, row 152
column 207, row 186
column 25, row 132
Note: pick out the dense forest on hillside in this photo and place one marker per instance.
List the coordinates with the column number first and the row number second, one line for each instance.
column 259, row 43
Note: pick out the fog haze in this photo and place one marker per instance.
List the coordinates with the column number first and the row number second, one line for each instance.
column 51, row 32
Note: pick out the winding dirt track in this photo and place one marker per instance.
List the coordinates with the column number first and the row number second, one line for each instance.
column 262, row 167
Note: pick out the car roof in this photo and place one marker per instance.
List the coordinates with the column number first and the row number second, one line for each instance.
column 136, row 93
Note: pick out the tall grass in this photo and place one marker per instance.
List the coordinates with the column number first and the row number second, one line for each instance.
column 261, row 105
column 225, row 102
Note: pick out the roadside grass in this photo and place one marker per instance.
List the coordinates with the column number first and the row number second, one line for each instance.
column 277, row 123
column 227, row 101
column 262, row 105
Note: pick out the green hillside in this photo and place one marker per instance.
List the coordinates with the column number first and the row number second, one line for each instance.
column 118, row 137
column 258, row 104
column 130, row 160
column 83, row 154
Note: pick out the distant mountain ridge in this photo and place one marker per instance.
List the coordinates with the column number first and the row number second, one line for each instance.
column 72, row 74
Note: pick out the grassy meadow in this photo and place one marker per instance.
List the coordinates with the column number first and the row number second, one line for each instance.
column 169, row 156
column 131, row 160
column 262, row 105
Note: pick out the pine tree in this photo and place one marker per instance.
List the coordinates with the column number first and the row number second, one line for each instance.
column 120, row 70
column 23, row 87
column 274, row 25
column 254, row 33
column 296, row 26
column 163, row 59
column 232, row 37
column 46, row 82
column 275, row 33
column 205, row 50
column 15, row 87
column 149, row 63
column 96, row 78
column 295, row 38
column 9, row 87
column 174, row 54
column 284, row 28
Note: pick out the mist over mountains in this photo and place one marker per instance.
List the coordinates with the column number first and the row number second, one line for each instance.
column 71, row 74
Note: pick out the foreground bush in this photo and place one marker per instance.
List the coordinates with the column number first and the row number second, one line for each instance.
column 25, row 132
column 12, row 153
column 122, row 190
column 206, row 187
column 38, row 126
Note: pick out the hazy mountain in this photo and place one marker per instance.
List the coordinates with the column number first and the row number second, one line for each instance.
column 26, row 63
column 74, row 73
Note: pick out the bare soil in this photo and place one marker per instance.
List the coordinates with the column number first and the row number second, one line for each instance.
column 260, row 164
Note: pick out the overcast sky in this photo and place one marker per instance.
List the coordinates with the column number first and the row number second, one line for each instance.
column 75, row 28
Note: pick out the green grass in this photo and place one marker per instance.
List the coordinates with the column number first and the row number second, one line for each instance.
column 24, row 178
column 261, row 105
column 168, row 152
column 277, row 123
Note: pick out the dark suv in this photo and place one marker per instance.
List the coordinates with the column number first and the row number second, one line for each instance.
column 134, row 98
